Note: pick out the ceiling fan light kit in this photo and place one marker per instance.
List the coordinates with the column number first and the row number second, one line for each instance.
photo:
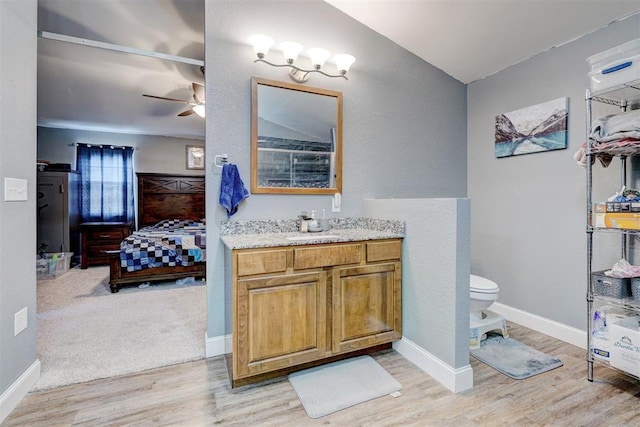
column 197, row 105
column 261, row 45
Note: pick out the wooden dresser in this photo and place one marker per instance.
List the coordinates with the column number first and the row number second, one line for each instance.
column 100, row 238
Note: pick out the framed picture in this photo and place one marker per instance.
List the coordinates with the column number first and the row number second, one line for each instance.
column 534, row 129
column 195, row 157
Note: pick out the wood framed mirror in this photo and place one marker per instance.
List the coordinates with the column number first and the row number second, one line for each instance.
column 296, row 138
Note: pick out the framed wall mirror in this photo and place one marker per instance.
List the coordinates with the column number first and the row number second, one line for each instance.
column 296, row 138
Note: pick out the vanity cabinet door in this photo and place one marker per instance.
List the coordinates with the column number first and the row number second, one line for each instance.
column 366, row 306
column 280, row 321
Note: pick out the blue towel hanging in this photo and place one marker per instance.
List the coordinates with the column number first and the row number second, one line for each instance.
column 232, row 189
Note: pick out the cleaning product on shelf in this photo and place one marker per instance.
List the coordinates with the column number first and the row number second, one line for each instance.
column 600, row 329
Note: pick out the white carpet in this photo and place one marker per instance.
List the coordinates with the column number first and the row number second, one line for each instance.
column 329, row 388
column 85, row 332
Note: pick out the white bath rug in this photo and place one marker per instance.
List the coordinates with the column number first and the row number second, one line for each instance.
column 339, row 385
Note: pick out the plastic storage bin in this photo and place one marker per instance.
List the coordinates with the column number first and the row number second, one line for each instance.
column 615, row 66
column 53, row 265
column 606, row 286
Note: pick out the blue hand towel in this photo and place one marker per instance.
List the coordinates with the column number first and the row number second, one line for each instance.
column 232, row 189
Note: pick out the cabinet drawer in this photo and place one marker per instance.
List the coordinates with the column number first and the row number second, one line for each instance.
column 106, row 235
column 326, row 256
column 262, row 262
column 98, row 251
column 384, row 251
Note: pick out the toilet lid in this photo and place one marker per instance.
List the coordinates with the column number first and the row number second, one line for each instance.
column 483, row 285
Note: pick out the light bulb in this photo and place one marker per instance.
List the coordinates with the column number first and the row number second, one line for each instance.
column 199, row 110
column 261, row 44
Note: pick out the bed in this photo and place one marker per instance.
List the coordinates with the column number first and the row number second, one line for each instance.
column 171, row 216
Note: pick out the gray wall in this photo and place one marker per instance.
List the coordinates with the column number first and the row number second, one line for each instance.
column 404, row 130
column 154, row 154
column 435, row 273
column 18, row 30
column 528, row 212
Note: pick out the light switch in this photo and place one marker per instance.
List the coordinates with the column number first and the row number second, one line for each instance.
column 15, row 190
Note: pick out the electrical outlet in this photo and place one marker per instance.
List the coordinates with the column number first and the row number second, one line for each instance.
column 336, row 202
column 20, row 321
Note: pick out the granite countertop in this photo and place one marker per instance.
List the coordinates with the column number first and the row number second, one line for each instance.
column 272, row 233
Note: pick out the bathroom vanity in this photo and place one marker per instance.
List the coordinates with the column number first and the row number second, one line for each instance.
column 299, row 300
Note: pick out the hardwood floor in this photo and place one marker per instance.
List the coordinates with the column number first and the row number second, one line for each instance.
column 198, row 394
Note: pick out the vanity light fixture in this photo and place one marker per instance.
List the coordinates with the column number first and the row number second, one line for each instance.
column 291, row 50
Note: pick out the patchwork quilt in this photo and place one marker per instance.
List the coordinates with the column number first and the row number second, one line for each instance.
column 166, row 244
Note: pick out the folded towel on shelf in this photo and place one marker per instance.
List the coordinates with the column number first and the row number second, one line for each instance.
column 616, row 127
column 232, row 189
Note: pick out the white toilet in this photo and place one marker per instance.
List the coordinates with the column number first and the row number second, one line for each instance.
column 483, row 292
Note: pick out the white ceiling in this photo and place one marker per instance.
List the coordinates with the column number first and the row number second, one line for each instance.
column 96, row 89
column 472, row 39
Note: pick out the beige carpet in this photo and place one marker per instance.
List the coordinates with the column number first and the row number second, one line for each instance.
column 85, row 332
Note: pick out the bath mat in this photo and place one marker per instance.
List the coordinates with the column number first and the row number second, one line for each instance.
column 339, row 385
column 513, row 358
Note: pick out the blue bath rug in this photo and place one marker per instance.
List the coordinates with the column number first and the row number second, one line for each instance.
column 512, row 358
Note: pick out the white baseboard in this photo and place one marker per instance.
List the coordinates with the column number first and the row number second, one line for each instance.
column 217, row 346
column 546, row 326
column 19, row 389
column 456, row 380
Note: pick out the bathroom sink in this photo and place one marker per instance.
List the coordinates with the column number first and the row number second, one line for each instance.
column 312, row 236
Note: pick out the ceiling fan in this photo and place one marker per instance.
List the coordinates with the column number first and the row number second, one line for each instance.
column 197, row 104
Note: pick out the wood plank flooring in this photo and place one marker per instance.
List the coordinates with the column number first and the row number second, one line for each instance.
column 198, row 394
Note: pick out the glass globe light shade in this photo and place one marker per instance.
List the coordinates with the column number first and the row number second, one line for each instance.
column 261, row 44
column 318, row 56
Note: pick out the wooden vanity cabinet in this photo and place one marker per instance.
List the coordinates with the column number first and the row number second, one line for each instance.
column 366, row 306
column 282, row 321
column 301, row 304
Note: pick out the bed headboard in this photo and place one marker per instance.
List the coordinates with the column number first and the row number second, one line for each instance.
column 164, row 196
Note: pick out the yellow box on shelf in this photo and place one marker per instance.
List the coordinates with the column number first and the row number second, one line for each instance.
column 629, row 220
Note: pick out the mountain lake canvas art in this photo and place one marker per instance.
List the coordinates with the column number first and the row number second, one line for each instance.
column 534, row 129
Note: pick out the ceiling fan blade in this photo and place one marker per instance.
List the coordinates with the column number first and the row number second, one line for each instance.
column 168, row 99
column 186, row 113
column 198, row 92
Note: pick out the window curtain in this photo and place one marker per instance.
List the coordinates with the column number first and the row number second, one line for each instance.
column 106, row 183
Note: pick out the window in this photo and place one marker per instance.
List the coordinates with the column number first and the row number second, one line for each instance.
column 106, row 183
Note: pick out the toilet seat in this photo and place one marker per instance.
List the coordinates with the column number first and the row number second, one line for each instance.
column 482, row 285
